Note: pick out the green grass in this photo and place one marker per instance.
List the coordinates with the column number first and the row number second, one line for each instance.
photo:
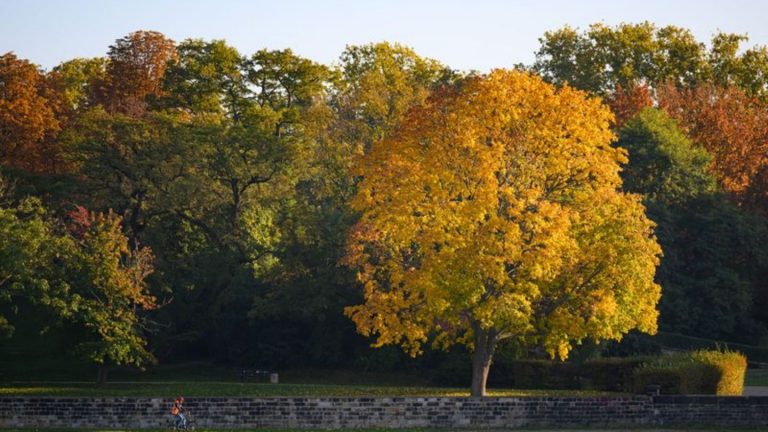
column 756, row 377
column 216, row 389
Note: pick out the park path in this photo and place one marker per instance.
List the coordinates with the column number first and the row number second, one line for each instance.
column 756, row 391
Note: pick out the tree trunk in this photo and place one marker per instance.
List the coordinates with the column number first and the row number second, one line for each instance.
column 101, row 375
column 485, row 345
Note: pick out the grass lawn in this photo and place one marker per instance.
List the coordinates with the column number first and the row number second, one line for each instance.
column 213, row 389
column 756, row 377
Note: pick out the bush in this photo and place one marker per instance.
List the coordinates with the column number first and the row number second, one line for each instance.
column 731, row 368
column 537, row 374
column 670, row 381
column 697, row 372
column 611, row 374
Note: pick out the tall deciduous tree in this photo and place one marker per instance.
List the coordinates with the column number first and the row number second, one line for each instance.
column 109, row 290
column 87, row 275
column 713, row 254
column 664, row 165
column 495, row 212
column 28, row 117
column 79, row 79
column 731, row 125
column 626, row 103
column 603, row 57
column 131, row 165
column 135, row 70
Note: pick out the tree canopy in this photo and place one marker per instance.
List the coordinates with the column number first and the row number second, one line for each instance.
column 185, row 200
column 494, row 212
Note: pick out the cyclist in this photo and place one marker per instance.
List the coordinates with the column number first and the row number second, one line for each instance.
column 178, row 411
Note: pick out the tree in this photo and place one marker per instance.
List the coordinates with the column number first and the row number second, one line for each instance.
column 747, row 70
column 603, row 58
column 713, row 254
column 28, row 117
column 731, row 125
column 664, row 165
column 626, row 103
column 29, row 256
column 245, row 154
column 109, row 281
column 87, row 275
column 206, row 77
column 79, row 79
column 495, row 212
column 130, row 165
column 135, row 70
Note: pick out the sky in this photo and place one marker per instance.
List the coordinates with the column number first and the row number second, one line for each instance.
column 465, row 35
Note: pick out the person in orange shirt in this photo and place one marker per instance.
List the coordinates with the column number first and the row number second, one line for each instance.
column 178, row 410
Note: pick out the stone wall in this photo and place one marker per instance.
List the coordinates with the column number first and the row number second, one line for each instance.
column 382, row 412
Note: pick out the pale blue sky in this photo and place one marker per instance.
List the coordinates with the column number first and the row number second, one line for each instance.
column 480, row 34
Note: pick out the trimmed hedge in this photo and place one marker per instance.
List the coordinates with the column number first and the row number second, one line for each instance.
column 697, row 372
column 608, row 374
column 612, row 374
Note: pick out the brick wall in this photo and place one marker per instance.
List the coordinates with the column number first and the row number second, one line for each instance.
column 380, row 412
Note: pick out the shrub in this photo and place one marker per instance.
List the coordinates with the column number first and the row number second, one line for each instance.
column 697, row 372
column 539, row 374
column 731, row 368
column 611, row 374
column 670, row 380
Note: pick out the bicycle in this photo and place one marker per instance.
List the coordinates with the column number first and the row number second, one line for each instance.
column 189, row 425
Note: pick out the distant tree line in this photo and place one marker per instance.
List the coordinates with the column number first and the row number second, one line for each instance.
column 184, row 200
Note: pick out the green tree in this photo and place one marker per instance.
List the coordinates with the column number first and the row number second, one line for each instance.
column 603, row 58
column 87, row 275
column 30, row 255
column 79, row 78
column 131, row 165
column 713, row 255
column 732, row 65
column 243, row 201
column 664, row 165
column 206, row 77
column 109, row 291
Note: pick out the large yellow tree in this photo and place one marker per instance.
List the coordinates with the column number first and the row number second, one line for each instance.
column 495, row 211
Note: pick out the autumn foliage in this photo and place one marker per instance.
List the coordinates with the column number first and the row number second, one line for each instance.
column 495, row 212
column 731, row 125
column 472, row 209
column 135, row 71
column 626, row 103
column 28, row 117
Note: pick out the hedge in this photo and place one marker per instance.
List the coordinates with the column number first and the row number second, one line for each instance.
column 609, row 374
column 697, row 372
